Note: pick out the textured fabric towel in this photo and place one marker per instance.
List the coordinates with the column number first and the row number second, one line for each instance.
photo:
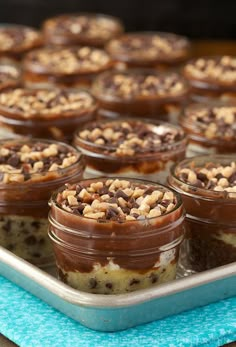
column 29, row 322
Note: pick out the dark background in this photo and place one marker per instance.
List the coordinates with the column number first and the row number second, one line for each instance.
column 196, row 19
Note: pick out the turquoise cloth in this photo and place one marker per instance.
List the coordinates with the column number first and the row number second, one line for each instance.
column 29, row 322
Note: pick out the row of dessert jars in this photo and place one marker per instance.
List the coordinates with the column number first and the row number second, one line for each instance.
column 57, row 113
column 78, row 29
column 104, row 242
column 31, row 169
column 130, row 147
column 207, row 185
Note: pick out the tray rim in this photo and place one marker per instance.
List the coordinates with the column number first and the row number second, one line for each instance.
column 112, row 301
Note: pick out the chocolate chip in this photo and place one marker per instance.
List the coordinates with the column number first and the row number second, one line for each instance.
column 14, row 160
column 201, row 176
column 232, row 178
column 153, row 278
column 121, row 194
column 7, row 226
column 109, row 285
column 111, row 212
column 35, row 224
column 134, row 281
column 219, row 176
column 31, row 240
column 92, row 283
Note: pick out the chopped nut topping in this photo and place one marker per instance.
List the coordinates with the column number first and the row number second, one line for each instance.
column 19, row 160
column 77, row 27
column 148, row 46
column 17, row 38
column 126, row 138
column 139, row 84
column 47, row 103
column 107, row 200
column 212, row 176
column 212, row 122
column 67, row 60
column 221, row 70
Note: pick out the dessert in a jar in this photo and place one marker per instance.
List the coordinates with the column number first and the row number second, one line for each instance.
column 16, row 40
column 30, row 170
column 211, row 128
column 67, row 67
column 149, row 49
column 141, row 93
column 130, row 148
column 87, row 29
column 10, row 75
column 113, row 236
column 212, row 77
column 54, row 113
column 207, row 185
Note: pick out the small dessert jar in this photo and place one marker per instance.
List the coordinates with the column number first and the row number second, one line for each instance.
column 130, row 148
column 140, row 93
column 212, row 77
column 86, row 29
column 42, row 113
column 112, row 236
column 16, row 40
column 207, row 185
column 211, row 128
column 158, row 50
column 66, row 67
column 30, row 171
column 10, row 75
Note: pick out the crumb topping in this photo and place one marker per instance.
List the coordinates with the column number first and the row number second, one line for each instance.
column 116, row 200
column 89, row 26
column 148, row 46
column 67, row 60
column 212, row 176
column 136, row 84
column 213, row 122
column 126, row 138
column 19, row 161
column 47, row 103
column 17, row 38
column 215, row 70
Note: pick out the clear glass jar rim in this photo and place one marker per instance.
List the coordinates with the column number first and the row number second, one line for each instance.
column 62, row 171
column 151, row 122
column 204, row 194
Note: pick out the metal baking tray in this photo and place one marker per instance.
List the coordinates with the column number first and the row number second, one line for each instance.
column 118, row 312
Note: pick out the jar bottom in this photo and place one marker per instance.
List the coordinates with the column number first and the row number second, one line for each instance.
column 26, row 237
column 103, row 280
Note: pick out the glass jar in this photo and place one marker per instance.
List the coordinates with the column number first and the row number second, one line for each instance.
column 25, row 188
column 81, row 29
column 210, row 128
column 157, row 50
column 73, row 67
column 132, row 148
column 210, row 217
column 10, row 75
column 212, row 78
column 113, row 257
column 16, row 40
column 41, row 113
column 140, row 93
